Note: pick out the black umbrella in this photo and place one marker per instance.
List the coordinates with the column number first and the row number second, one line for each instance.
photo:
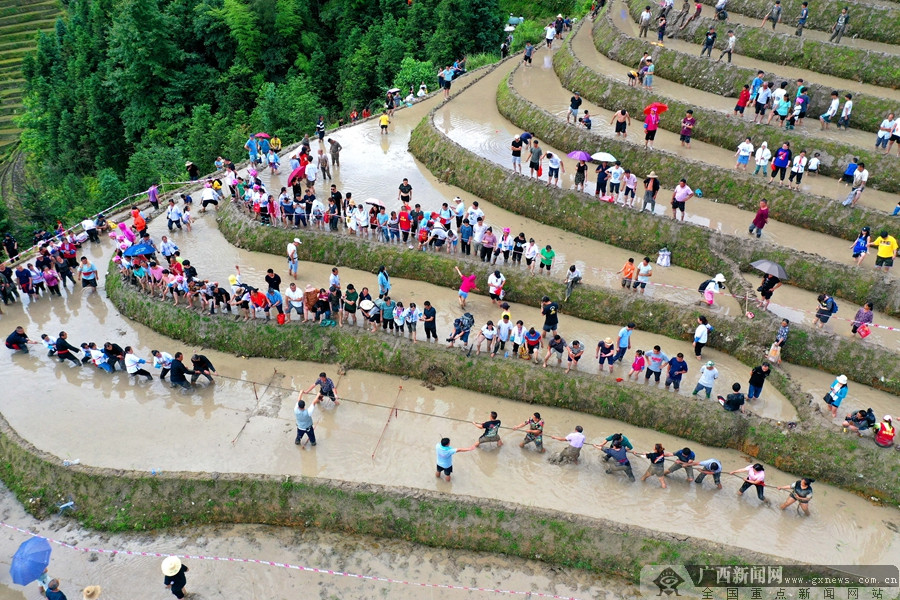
column 770, row 268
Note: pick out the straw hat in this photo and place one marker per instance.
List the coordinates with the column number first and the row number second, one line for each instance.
column 92, row 592
column 607, row 341
column 652, row 175
column 842, row 379
column 171, row 565
column 188, row 163
column 719, row 278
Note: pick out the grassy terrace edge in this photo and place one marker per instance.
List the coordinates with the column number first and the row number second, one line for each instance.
column 870, row 22
column 717, row 128
column 814, row 213
column 694, row 247
column 642, row 407
column 784, row 48
column 722, row 78
column 119, row 501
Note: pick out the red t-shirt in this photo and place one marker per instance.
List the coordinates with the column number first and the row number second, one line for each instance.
column 744, row 98
column 404, row 221
column 468, row 283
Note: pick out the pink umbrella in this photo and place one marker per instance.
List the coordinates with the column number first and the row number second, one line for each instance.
column 298, row 173
column 579, row 155
column 262, row 135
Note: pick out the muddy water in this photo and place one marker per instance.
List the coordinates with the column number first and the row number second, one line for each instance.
column 186, row 427
column 209, row 250
column 799, row 306
column 783, row 71
column 858, row 396
column 120, row 575
column 823, row 186
column 484, row 131
column 374, row 173
column 787, row 27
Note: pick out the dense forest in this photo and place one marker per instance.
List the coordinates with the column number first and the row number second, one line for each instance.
column 125, row 91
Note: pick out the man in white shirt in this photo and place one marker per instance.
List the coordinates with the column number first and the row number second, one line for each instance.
column 459, row 211
column 311, row 172
column 173, row 215
column 549, row 34
column 615, row 173
column 496, row 281
column 860, row 177
column 573, row 450
column 488, row 332
column 829, row 114
column 682, row 194
column 708, row 376
column 292, row 257
column 478, row 234
column 504, row 331
column 644, row 22
column 884, row 131
column 293, row 298
column 474, row 213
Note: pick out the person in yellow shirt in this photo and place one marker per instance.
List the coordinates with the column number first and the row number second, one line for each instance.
column 384, row 120
column 887, row 250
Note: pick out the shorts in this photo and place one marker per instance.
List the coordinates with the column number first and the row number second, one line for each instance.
column 208, row 202
column 620, row 126
column 626, row 282
column 93, row 282
column 739, row 109
column 463, row 294
column 495, row 296
column 438, row 243
column 685, row 138
column 533, row 165
column 517, row 160
column 802, row 114
column 650, row 135
column 676, row 205
column 447, row 84
column 575, row 360
column 573, row 112
column 895, row 138
column 655, row 469
column 579, row 178
column 760, row 108
column 495, row 437
column 528, row 59
column 675, row 383
column 446, row 470
column 548, row 328
column 628, row 192
column 826, row 118
column 880, row 261
column 743, row 160
column 528, row 261
column 640, row 284
column 553, row 172
column 384, row 127
column 610, row 360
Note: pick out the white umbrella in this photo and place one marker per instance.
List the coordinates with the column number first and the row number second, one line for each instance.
column 375, row 201
column 393, row 90
column 603, row 157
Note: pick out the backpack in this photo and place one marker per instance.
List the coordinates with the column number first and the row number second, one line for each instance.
column 703, row 285
column 834, row 305
column 871, row 419
column 467, row 321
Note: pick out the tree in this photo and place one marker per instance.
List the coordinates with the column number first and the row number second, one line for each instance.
column 465, row 26
column 413, row 72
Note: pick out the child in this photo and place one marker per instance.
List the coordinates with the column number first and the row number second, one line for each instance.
column 637, row 366
column 586, row 120
column 50, row 344
column 742, row 101
column 632, row 78
column 844, row 120
column 813, row 166
column 850, row 171
column 627, row 272
column 660, row 31
column 186, row 217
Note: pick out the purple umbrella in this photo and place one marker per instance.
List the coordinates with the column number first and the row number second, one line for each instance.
column 579, row 155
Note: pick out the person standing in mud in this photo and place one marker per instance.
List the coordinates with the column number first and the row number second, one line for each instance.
column 491, row 429
column 175, row 578
column 573, row 450
column 445, row 457
column 534, row 432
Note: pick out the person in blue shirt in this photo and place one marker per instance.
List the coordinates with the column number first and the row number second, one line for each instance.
column 252, row 149
column 623, row 344
column 275, row 300
column 303, row 417
column 327, row 388
column 677, row 368
column 384, row 282
column 684, row 459
column 264, row 146
column 465, row 238
column 445, row 457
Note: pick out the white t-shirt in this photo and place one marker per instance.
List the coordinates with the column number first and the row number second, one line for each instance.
column 478, row 232
column 799, row 164
column 132, row 363
column 833, row 108
column 630, row 181
column 848, row 108
column 644, row 272
column 645, row 18
column 518, row 335
column 777, row 95
column 888, row 126
column 745, row 149
column 615, row 174
column 295, row 297
column 575, row 439
column 550, row 32
column 860, row 177
column 495, row 284
column 813, row 164
column 488, row 332
column 531, row 251
column 553, row 162
column 708, row 376
column 504, row 329
column 311, row 171
column 473, row 213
